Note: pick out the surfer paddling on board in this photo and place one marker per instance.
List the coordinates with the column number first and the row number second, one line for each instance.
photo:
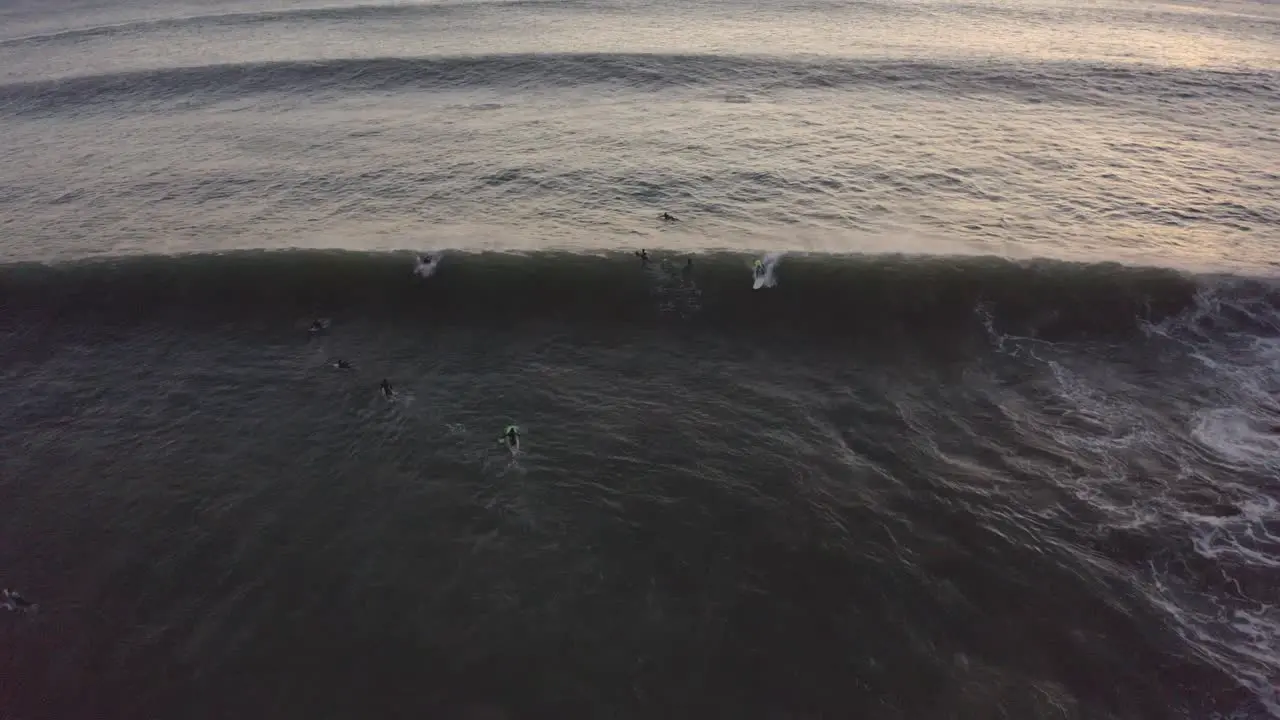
column 511, row 436
column 12, row 601
column 668, row 217
column 341, row 365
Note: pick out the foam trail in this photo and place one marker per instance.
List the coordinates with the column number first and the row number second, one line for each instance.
column 769, row 278
column 427, row 269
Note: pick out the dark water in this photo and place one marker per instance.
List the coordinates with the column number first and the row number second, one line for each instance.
column 887, row 487
column 908, row 479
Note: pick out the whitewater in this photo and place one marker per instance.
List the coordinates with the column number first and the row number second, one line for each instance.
column 998, row 437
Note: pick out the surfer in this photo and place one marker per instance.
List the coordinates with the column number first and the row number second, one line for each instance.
column 317, row 326
column 387, row 391
column 10, row 600
column 668, row 217
column 759, row 268
column 341, row 365
column 644, row 256
column 511, row 437
column 426, row 264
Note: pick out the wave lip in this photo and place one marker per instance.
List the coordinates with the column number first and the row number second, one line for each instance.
column 816, row 295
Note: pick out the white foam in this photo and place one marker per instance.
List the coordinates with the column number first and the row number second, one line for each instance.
column 1239, row 437
column 768, row 278
column 1242, row 641
column 427, row 269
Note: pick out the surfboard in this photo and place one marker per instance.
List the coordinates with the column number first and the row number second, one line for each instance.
column 514, row 447
column 763, row 277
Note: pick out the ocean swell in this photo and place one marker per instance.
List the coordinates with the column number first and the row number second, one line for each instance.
column 816, row 295
column 1082, row 83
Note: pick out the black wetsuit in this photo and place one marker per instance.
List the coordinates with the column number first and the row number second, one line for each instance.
column 14, row 601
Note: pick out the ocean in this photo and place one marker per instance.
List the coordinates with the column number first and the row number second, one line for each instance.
column 995, row 435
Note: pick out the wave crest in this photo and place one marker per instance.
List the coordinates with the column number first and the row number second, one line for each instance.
column 817, row 296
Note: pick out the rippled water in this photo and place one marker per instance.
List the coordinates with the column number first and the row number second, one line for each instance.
column 1122, row 130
